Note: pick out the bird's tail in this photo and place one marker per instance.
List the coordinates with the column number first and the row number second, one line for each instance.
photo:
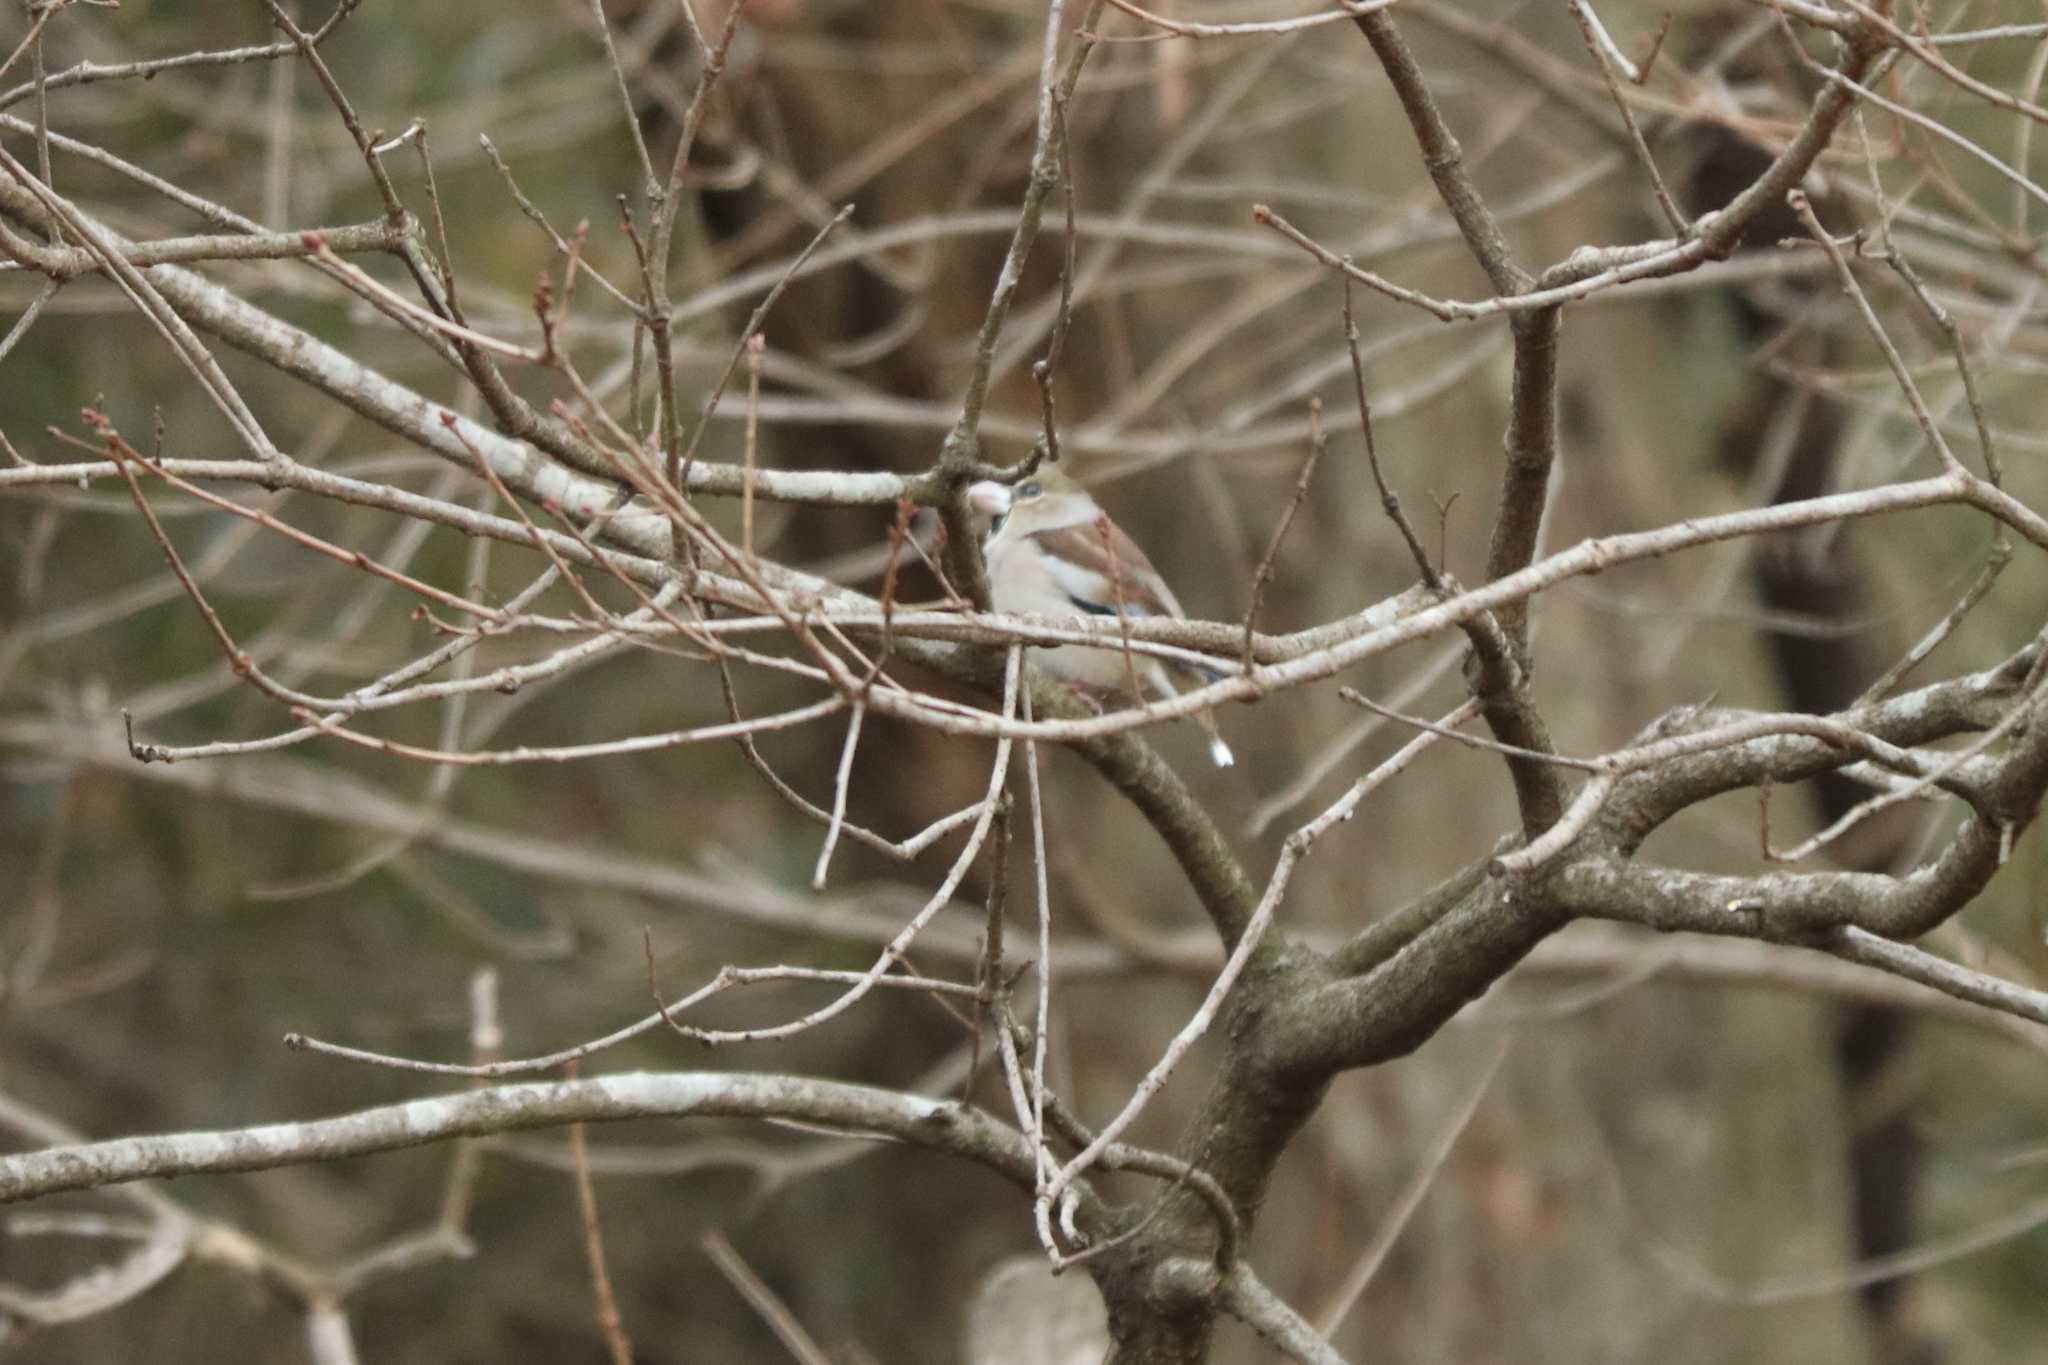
column 1219, row 752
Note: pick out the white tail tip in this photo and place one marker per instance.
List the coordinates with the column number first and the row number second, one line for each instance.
column 1220, row 753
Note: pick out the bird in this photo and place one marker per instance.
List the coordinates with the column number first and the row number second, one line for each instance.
column 1052, row 550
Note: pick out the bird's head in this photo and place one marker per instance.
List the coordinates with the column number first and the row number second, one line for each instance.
column 1049, row 500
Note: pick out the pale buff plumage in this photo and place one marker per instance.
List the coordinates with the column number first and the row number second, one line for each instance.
column 1053, row 551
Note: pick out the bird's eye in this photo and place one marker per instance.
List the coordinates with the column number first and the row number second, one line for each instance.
column 1029, row 490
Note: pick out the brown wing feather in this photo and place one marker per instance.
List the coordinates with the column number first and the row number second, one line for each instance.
column 1100, row 546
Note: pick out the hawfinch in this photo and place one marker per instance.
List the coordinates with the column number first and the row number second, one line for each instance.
column 1053, row 551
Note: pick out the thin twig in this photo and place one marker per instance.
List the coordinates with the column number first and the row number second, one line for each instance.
column 755, row 345
column 1390, row 502
column 839, row 788
column 1410, row 1199
column 1318, row 442
column 1907, row 388
column 609, row 1322
column 1185, row 28
column 1606, row 56
column 762, row 1300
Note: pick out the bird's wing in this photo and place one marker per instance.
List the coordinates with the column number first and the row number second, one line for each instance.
column 1099, row 567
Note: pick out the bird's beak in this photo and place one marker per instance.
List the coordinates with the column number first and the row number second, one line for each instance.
column 988, row 499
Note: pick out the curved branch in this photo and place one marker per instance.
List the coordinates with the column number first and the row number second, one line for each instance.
column 940, row 1125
